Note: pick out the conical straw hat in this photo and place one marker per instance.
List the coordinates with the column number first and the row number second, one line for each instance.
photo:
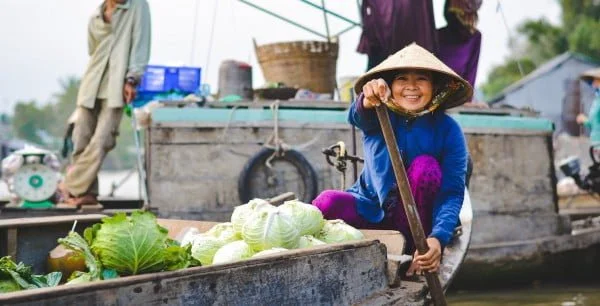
column 590, row 75
column 416, row 57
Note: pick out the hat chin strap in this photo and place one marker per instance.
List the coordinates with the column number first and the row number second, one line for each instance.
column 435, row 103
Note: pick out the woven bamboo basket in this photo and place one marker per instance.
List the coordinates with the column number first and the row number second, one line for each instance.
column 301, row 64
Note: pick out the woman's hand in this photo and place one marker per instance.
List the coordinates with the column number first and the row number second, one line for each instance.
column 430, row 261
column 374, row 92
column 581, row 118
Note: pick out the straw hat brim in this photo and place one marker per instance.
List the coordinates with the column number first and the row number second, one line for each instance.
column 416, row 57
column 590, row 75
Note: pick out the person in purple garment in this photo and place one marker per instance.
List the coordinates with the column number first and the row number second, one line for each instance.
column 390, row 25
column 459, row 43
column 417, row 87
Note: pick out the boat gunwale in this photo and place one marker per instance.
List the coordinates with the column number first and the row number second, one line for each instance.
column 62, row 290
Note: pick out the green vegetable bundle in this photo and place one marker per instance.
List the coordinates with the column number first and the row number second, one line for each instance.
column 128, row 245
column 15, row 277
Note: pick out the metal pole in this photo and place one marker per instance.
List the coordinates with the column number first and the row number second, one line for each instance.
column 140, row 164
column 408, row 201
column 193, row 51
column 348, row 20
column 345, row 30
column 326, row 21
column 283, row 18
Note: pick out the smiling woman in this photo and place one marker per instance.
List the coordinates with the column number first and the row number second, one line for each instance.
column 417, row 87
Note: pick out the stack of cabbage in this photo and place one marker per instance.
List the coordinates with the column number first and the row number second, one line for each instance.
column 259, row 228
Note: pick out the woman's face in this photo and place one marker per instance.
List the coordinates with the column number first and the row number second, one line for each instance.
column 412, row 89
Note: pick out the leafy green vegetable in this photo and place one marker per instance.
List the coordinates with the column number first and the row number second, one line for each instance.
column 49, row 280
column 308, row 241
column 233, row 251
column 269, row 229
column 338, row 231
column 8, row 285
column 109, row 274
column 308, row 218
column 224, row 232
column 130, row 245
column 123, row 245
column 79, row 277
column 269, row 252
column 177, row 257
column 240, row 213
column 75, row 242
column 204, row 248
column 21, row 275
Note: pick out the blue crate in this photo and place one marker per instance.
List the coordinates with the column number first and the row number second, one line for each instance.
column 162, row 79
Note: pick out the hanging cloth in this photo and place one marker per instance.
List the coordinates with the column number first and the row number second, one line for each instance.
column 390, row 25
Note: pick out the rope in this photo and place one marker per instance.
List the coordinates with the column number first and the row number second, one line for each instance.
column 210, row 40
column 272, row 138
column 510, row 37
column 341, row 163
column 195, row 28
column 274, row 142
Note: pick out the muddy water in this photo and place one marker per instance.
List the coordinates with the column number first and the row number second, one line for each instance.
column 561, row 295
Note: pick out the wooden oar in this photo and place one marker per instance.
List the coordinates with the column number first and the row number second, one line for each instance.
column 408, row 201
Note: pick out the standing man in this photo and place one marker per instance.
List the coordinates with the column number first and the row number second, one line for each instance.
column 119, row 49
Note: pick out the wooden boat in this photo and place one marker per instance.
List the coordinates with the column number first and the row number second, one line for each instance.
column 363, row 272
column 519, row 232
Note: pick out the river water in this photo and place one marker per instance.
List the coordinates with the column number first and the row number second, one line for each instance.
column 555, row 294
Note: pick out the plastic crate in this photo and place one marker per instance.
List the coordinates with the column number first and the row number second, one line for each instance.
column 162, row 79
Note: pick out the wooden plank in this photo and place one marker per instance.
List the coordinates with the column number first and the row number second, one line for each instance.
column 250, row 124
column 503, row 131
column 396, row 264
column 338, row 274
column 11, row 243
column 175, row 227
column 493, row 111
column 308, row 104
column 40, row 221
column 393, row 240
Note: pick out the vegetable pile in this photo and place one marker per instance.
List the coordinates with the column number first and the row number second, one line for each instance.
column 16, row 277
column 259, row 228
column 129, row 245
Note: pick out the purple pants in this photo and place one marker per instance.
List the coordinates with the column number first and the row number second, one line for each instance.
column 424, row 177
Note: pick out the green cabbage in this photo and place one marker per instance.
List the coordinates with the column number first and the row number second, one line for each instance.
column 233, row 251
column 224, row 232
column 189, row 234
column 308, row 218
column 308, row 241
column 204, row 248
column 242, row 212
column 133, row 245
column 338, row 231
column 269, row 252
column 270, row 229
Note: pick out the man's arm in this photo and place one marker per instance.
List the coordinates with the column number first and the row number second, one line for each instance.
column 140, row 45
